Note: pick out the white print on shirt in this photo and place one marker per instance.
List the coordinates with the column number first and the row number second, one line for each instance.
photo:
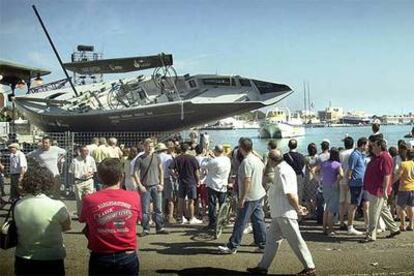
column 114, row 203
column 115, row 216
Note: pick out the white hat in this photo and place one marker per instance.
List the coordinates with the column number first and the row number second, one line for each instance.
column 14, row 145
column 160, row 147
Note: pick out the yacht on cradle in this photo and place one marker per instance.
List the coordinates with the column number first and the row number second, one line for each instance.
column 279, row 124
column 162, row 101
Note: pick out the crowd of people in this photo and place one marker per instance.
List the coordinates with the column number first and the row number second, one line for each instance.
column 161, row 184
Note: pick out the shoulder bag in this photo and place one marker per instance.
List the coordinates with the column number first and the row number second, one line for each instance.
column 8, row 235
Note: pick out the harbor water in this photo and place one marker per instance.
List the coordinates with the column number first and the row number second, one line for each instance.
column 392, row 133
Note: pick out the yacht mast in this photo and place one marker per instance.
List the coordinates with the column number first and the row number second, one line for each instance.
column 54, row 49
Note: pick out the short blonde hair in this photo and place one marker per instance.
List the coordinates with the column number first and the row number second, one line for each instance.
column 148, row 141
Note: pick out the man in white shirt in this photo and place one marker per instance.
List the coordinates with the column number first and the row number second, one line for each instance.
column 18, row 167
column 82, row 168
column 344, row 193
column 218, row 170
column 49, row 156
column 284, row 208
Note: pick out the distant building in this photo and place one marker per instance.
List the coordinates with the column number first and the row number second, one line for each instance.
column 398, row 119
column 331, row 114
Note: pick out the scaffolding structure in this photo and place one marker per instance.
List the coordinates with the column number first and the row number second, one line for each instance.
column 86, row 53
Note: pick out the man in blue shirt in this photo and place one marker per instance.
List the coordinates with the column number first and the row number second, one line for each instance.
column 355, row 176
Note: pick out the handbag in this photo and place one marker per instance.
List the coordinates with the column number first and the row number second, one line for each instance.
column 8, row 234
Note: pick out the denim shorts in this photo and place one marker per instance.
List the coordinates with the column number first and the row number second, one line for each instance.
column 405, row 198
column 356, row 195
column 187, row 190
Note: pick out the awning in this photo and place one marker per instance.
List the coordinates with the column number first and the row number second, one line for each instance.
column 12, row 73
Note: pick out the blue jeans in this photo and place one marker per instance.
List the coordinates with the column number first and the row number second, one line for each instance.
column 120, row 263
column 153, row 195
column 251, row 210
column 213, row 196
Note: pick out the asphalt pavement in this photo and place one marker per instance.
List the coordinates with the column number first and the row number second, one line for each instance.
column 188, row 250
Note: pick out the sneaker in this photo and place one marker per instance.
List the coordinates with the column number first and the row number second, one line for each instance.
column 352, row 231
column 194, row 220
column 183, row 221
column 163, row 231
column 379, row 230
column 248, row 229
column 307, row 272
column 226, row 250
column 332, row 234
column 257, row 270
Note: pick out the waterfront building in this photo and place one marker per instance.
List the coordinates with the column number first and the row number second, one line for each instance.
column 331, row 114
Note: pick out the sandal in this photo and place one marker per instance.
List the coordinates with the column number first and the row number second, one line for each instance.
column 409, row 229
column 402, row 228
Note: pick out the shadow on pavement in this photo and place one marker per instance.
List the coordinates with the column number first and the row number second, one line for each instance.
column 205, row 271
column 187, row 248
column 319, row 237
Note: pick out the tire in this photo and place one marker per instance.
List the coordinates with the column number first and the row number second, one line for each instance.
column 222, row 218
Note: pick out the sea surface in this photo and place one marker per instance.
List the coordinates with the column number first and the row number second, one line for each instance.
column 392, row 133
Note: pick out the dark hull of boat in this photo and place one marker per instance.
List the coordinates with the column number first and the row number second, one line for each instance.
column 355, row 121
column 165, row 117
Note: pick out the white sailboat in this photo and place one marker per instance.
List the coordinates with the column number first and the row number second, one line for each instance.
column 279, row 124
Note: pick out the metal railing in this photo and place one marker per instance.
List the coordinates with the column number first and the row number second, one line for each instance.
column 72, row 140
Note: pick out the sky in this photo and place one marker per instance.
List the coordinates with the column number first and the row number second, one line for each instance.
column 355, row 54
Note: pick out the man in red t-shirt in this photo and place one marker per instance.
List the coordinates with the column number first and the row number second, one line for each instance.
column 377, row 184
column 111, row 215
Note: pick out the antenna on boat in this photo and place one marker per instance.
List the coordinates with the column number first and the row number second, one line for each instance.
column 54, row 49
